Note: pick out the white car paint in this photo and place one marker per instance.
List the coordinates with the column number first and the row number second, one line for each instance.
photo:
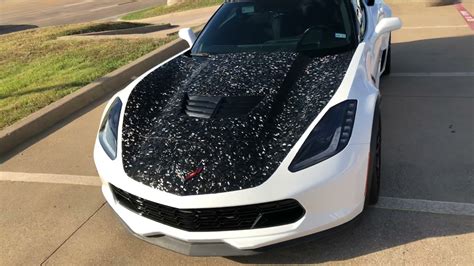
column 332, row 192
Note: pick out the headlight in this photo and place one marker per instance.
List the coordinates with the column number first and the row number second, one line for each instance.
column 330, row 136
column 109, row 129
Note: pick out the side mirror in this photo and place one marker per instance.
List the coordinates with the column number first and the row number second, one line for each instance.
column 188, row 35
column 387, row 25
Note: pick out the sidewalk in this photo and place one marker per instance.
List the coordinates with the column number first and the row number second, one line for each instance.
column 187, row 19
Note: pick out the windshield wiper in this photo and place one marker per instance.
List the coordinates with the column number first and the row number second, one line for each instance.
column 200, row 55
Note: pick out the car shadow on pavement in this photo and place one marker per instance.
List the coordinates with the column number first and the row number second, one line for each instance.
column 382, row 229
column 427, row 115
column 377, row 230
column 446, row 54
column 5, row 29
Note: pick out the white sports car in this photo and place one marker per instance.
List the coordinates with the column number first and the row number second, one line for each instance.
column 266, row 130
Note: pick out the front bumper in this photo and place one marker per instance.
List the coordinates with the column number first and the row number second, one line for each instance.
column 332, row 193
column 224, row 249
column 192, row 249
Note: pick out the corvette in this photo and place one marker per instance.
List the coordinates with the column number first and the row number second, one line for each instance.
column 265, row 130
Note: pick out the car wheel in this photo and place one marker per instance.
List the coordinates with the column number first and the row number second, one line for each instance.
column 375, row 165
column 388, row 64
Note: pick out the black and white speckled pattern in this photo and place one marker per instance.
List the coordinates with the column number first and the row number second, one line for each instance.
column 161, row 144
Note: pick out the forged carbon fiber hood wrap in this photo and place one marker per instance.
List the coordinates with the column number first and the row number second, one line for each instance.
column 162, row 145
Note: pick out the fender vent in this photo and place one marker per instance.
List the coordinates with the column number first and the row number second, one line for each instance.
column 219, row 107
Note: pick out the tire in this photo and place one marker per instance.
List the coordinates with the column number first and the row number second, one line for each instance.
column 388, row 64
column 375, row 163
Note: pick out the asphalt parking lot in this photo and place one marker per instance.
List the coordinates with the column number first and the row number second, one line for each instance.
column 52, row 211
column 26, row 14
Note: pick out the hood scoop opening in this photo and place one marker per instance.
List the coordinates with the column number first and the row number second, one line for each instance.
column 208, row 107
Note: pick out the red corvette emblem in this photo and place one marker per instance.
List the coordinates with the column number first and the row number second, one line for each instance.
column 193, row 174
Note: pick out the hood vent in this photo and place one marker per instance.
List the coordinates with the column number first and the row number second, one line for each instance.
column 220, row 107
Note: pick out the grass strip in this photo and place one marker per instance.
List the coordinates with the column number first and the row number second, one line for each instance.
column 37, row 69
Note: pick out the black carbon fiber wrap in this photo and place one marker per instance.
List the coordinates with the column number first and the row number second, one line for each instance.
column 162, row 145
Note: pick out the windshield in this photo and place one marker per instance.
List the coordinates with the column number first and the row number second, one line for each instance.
column 278, row 25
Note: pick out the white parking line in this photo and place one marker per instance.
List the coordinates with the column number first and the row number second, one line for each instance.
column 50, row 178
column 102, row 8
column 433, row 27
column 79, row 3
column 434, row 74
column 428, row 206
column 416, row 205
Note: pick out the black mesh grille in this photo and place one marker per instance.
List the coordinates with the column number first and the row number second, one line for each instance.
column 216, row 219
column 219, row 107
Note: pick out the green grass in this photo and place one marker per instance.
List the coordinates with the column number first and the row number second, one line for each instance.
column 37, row 69
column 163, row 9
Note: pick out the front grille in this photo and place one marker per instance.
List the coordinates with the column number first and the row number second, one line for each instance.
column 216, row 219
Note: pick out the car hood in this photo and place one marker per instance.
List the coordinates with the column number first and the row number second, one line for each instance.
column 202, row 125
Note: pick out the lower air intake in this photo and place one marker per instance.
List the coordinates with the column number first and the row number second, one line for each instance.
column 216, row 219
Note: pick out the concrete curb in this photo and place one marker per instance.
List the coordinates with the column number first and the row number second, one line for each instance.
column 137, row 30
column 50, row 115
